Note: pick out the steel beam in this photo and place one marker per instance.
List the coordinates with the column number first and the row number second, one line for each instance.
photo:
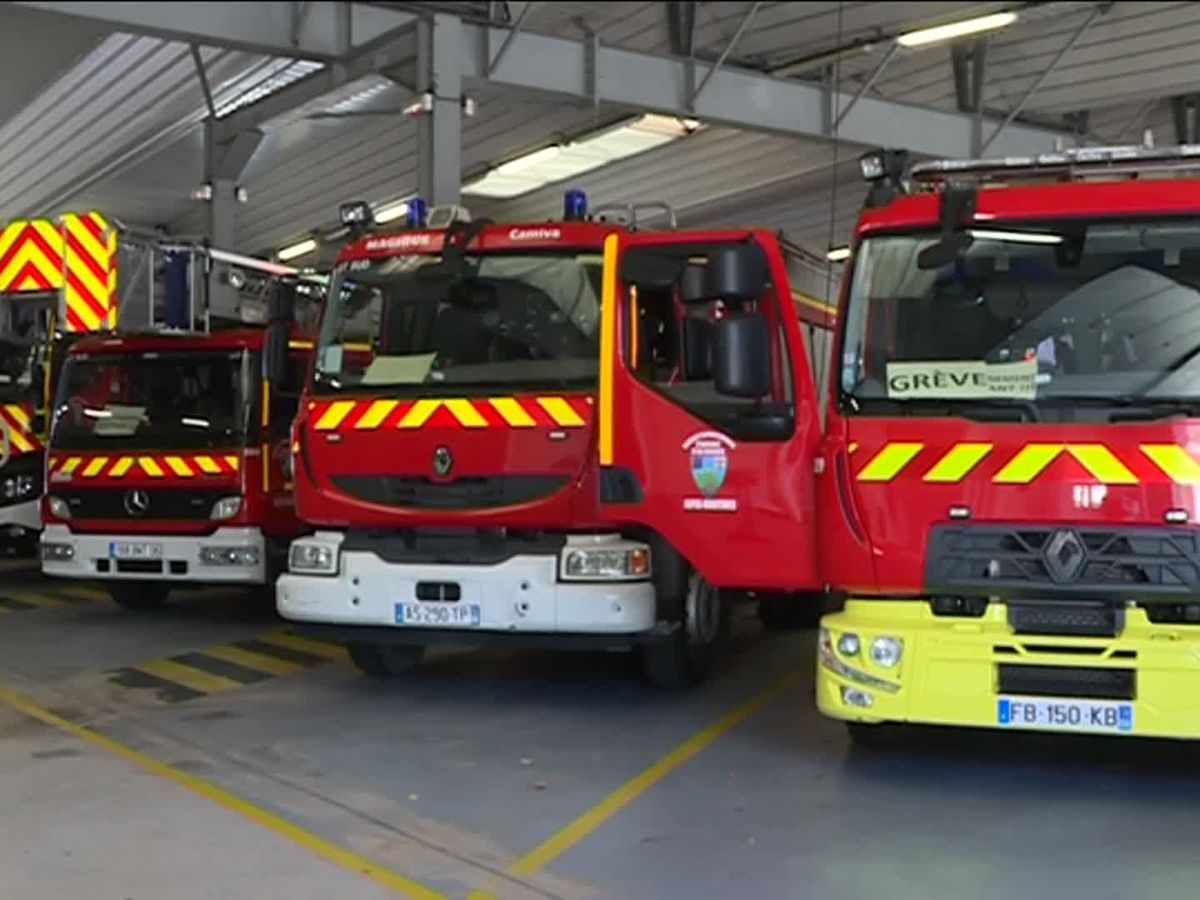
column 324, row 30
column 734, row 96
column 730, row 45
column 439, row 131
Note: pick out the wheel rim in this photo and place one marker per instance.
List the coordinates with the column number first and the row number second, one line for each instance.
column 703, row 611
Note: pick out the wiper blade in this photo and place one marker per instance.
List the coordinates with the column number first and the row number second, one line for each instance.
column 983, row 409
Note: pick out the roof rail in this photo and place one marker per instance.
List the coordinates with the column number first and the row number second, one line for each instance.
column 629, row 213
column 1080, row 162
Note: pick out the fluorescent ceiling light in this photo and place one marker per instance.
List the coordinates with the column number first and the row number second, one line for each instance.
column 391, row 212
column 1016, row 237
column 285, row 73
column 302, row 248
column 956, row 29
column 562, row 161
column 838, row 254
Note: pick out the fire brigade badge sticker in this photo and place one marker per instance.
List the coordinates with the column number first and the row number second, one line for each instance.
column 708, row 460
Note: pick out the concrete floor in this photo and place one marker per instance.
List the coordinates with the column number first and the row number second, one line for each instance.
column 450, row 777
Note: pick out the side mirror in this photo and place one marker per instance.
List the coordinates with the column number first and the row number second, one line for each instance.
column 742, row 355
column 648, row 269
column 737, row 272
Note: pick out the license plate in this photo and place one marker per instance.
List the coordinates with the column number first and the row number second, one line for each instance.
column 134, row 550
column 1065, row 714
column 437, row 615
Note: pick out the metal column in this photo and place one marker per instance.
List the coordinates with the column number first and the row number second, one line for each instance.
column 439, row 131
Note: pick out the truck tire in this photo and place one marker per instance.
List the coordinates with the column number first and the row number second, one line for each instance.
column 385, row 660
column 689, row 654
column 138, row 594
column 791, row 612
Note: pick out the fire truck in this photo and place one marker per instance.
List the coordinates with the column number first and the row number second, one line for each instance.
column 505, row 440
column 57, row 282
column 168, row 454
column 1010, row 470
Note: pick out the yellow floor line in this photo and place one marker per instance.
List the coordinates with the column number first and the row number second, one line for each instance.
column 314, row 843
column 84, row 592
column 304, row 645
column 37, row 599
column 205, row 682
column 566, row 838
column 259, row 662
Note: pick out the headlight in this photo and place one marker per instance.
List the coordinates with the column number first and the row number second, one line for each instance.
column 587, row 564
column 58, row 552
column 848, row 644
column 59, row 508
column 18, row 487
column 886, row 651
column 312, row 558
column 830, row 661
column 229, row 556
column 226, row 508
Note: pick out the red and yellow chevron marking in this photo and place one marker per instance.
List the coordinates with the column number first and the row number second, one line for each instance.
column 77, row 255
column 164, row 466
column 90, row 288
column 453, row 412
column 16, row 421
column 1026, row 463
column 31, row 256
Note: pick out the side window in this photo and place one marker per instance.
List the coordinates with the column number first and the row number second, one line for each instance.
column 669, row 348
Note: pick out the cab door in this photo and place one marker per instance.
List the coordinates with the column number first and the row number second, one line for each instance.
column 708, row 425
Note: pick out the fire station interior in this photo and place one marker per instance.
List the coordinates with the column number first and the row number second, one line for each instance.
column 182, row 187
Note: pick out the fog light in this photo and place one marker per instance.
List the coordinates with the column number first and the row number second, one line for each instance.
column 226, row 507
column 59, row 508
column 886, row 651
column 310, row 558
column 602, row 563
column 58, row 552
column 229, row 556
column 855, row 697
column 848, row 644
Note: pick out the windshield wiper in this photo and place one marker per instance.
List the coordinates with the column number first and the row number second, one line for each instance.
column 981, row 409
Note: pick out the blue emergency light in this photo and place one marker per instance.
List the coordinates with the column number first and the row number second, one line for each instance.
column 575, row 205
column 418, row 211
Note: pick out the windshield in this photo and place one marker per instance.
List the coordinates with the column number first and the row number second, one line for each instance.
column 527, row 320
column 174, row 400
column 1039, row 315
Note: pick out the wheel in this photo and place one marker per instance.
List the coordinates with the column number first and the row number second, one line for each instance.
column 689, row 655
column 783, row 612
column 385, row 660
column 138, row 594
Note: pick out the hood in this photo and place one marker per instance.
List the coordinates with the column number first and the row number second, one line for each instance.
column 911, row 477
column 507, row 460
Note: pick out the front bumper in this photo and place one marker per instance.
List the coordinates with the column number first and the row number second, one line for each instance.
column 26, row 516
column 950, row 669
column 181, row 560
column 520, row 597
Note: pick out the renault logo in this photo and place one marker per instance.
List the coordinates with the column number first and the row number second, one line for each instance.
column 137, row 502
column 443, row 462
column 1065, row 556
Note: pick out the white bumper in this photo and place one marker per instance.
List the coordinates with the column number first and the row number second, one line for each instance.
column 27, row 515
column 522, row 594
column 91, row 556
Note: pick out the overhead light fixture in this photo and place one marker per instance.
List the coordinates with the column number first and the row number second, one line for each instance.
column 1015, row 237
column 838, row 254
column 939, row 33
column 559, row 162
column 391, row 212
column 300, row 248
column 204, row 192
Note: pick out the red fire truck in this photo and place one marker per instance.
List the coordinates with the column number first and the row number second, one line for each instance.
column 504, row 442
column 1012, row 457
column 168, row 458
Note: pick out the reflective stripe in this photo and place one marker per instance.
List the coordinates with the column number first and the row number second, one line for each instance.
column 120, row 467
column 1176, row 463
column 70, row 465
column 1028, row 463
column 375, row 414
column 179, row 467
column 150, row 467
column 1102, row 464
column 888, row 462
column 560, row 411
column 418, row 414
column 512, row 412
column 94, row 466
column 333, row 415
column 468, row 416
column 958, row 461
column 208, row 465
column 232, row 462
column 608, row 348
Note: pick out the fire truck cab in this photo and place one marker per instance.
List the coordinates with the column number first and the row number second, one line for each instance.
column 532, row 435
column 1010, row 470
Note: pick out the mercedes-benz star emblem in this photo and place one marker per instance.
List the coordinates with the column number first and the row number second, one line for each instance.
column 137, row 502
column 1065, row 555
column 443, row 462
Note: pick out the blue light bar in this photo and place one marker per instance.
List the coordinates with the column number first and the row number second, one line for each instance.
column 418, row 211
column 575, row 205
